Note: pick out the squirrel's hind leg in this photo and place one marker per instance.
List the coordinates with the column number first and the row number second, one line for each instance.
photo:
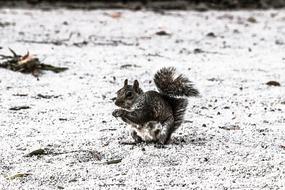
column 165, row 133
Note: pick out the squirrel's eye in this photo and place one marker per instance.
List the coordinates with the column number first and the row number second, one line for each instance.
column 129, row 94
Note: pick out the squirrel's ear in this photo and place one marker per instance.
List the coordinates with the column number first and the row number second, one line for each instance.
column 126, row 82
column 136, row 85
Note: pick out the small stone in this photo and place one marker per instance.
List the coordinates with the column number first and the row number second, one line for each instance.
column 252, row 20
column 197, row 50
column 36, row 153
column 273, row 83
column 162, row 33
column 211, row 34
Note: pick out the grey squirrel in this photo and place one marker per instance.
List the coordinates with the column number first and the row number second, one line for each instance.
column 154, row 116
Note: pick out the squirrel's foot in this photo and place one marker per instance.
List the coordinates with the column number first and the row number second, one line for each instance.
column 118, row 113
column 135, row 136
column 162, row 138
column 159, row 146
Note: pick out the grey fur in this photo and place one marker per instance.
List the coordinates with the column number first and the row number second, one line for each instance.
column 179, row 86
column 154, row 116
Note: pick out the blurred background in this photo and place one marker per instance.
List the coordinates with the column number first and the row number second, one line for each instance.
column 149, row 4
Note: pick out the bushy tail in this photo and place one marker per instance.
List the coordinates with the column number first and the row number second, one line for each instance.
column 172, row 88
column 168, row 85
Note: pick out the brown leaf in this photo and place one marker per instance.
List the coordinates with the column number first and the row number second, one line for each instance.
column 19, row 175
column 115, row 15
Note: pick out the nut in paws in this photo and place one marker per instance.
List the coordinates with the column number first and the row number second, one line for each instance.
column 118, row 113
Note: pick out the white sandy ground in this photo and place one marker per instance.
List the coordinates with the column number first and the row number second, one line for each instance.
column 230, row 74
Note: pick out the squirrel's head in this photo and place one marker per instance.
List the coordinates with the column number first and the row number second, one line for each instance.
column 127, row 95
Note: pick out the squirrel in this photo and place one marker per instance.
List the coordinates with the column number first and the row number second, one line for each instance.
column 153, row 115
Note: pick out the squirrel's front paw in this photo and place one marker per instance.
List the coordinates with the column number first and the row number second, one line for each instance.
column 118, row 113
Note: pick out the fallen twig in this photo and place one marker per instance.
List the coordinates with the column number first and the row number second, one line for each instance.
column 113, row 161
column 27, row 64
column 17, row 108
column 47, row 96
column 230, row 127
column 19, row 175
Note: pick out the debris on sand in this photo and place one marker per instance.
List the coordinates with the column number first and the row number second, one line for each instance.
column 19, row 175
column 116, row 161
column 17, row 108
column 162, row 33
column 198, row 50
column 252, row 20
column 230, row 127
column 215, row 80
column 20, row 95
column 82, row 155
column 37, row 152
column 46, row 96
column 5, row 24
column 127, row 143
column 62, row 119
column 128, row 66
column 27, row 64
column 273, row 83
column 211, row 34
column 114, row 15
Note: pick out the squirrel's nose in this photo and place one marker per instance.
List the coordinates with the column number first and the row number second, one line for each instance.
column 117, row 102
